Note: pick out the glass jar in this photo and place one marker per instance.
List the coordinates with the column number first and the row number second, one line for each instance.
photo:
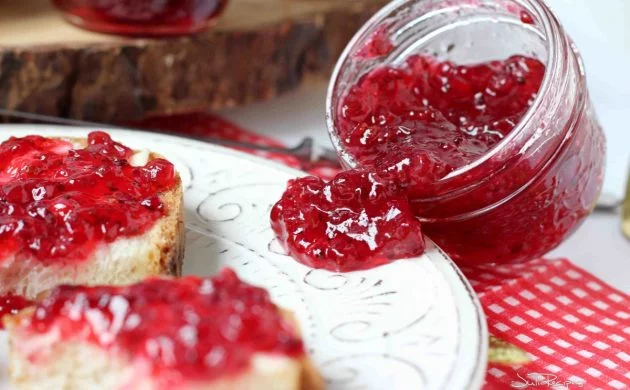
column 532, row 189
column 142, row 17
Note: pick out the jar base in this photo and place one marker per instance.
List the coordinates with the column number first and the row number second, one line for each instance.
column 135, row 30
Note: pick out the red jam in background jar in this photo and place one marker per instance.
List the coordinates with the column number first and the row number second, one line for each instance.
column 355, row 221
column 501, row 155
column 142, row 17
column 187, row 329
column 58, row 203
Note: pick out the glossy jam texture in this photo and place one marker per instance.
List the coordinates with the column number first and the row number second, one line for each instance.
column 142, row 17
column 355, row 221
column 543, row 208
column 12, row 304
column 433, row 116
column 58, row 203
column 420, row 122
column 188, row 329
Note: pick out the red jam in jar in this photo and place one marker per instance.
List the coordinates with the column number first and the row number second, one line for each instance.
column 57, row 203
column 482, row 114
column 356, row 221
column 430, row 117
column 142, row 17
column 12, row 304
column 188, row 329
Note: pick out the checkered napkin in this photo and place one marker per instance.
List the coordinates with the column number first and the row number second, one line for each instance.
column 553, row 325
column 574, row 328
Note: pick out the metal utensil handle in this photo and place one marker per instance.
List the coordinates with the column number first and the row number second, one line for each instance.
column 305, row 151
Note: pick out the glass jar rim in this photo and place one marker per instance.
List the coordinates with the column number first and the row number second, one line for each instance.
column 555, row 47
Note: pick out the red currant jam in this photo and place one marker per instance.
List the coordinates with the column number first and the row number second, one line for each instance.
column 435, row 117
column 354, row 222
column 11, row 304
column 58, row 203
column 142, row 17
column 421, row 122
column 188, row 329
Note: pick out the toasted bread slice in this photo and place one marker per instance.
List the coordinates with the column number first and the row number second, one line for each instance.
column 159, row 251
column 49, row 361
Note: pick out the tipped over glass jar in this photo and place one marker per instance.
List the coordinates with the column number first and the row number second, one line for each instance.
column 480, row 109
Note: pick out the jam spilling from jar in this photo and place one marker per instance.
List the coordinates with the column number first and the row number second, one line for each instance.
column 356, row 221
column 187, row 329
column 407, row 127
column 12, row 304
column 418, row 123
column 429, row 118
column 142, row 17
column 58, row 203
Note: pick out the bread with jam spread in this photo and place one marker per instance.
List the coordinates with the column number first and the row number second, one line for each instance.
column 85, row 211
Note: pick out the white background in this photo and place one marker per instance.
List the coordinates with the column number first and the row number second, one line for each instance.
column 601, row 30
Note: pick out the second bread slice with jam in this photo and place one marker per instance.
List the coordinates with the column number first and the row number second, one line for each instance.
column 189, row 333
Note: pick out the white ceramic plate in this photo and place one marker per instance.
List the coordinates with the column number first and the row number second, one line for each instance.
column 413, row 324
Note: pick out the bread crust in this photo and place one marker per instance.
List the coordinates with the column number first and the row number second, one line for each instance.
column 173, row 234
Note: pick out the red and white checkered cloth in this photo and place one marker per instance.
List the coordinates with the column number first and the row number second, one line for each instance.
column 574, row 327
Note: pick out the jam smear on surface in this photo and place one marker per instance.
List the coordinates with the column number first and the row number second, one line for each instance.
column 142, row 17
column 356, row 221
column 434, row 117
column 526, row 17
column 58, row 203
column 378, row 45
column 12, row 304
column 187, row 329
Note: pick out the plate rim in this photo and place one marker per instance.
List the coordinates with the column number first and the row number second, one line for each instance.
column 477, row 376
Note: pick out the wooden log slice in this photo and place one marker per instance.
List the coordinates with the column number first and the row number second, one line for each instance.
column 259, row 49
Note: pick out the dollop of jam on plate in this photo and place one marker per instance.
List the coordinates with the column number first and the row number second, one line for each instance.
column 58, row 202
column 187, row 329
column 356, row 221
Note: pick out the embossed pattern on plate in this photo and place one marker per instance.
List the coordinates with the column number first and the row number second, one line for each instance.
column 413, row 324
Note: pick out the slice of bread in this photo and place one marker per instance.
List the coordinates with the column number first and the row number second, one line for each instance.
column 159, row 251
column 81, row 365
column 48, row 361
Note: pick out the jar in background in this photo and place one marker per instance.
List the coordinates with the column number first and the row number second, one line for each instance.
column 142, row 17
column 532, row 189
